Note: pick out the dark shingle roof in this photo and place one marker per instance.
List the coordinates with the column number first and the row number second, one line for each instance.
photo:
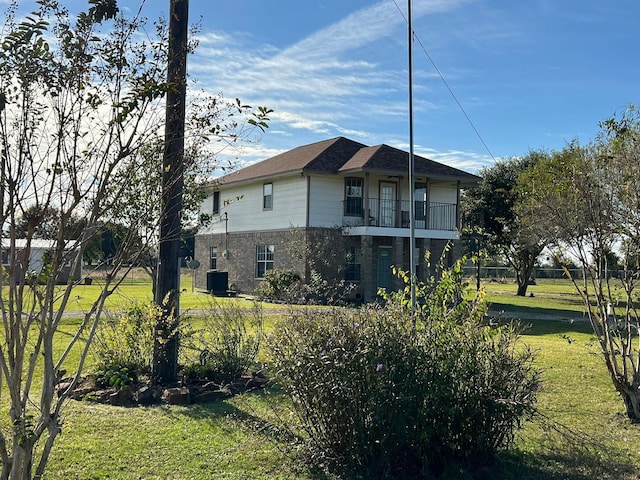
column 386, row 159
column 321, row 157
column 341, row 155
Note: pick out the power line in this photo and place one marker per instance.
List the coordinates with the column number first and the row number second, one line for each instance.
column 446, row 84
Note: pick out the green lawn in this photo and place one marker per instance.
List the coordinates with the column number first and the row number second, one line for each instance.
column 580, row 433
column 141, row 291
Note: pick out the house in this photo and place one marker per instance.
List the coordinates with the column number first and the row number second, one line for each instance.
column 336, row 207
column 39, row 249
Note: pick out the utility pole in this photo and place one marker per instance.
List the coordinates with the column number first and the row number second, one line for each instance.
column 165, row 351
column 411, row 167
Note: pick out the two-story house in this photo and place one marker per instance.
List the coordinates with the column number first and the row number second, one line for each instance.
column 336, row 207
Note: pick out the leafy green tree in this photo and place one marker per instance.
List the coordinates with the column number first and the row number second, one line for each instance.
column 506, row 229
column 45, row 226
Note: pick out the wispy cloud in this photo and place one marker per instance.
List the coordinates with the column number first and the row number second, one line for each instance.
column 324, row 84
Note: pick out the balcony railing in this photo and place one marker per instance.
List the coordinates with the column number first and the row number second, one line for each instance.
column 395, row 214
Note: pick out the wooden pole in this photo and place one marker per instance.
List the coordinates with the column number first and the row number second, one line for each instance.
column 165, row 362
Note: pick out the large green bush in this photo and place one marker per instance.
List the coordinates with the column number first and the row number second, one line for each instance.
column 379, row 390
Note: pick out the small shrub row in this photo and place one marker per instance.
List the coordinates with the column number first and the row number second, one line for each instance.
column 222, row 349
column 125, row 340
column 286, row 286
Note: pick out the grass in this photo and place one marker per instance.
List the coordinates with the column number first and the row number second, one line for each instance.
column 580, row 433
column 543, row 299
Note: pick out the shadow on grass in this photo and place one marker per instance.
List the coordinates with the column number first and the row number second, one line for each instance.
column 560, row 453
column 568, row 455
column 541, row 324
column 248, row 416
column 533, row 312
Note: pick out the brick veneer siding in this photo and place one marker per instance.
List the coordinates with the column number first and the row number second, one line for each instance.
column 321, row 249
column 289, row 253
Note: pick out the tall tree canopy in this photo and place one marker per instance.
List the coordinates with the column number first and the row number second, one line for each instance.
column 495, row 204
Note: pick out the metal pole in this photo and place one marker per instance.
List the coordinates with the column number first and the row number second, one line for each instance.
column 412, row 207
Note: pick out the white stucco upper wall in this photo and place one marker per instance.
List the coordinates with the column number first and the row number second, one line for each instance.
column 326, row 195
column 242, row 204
column 441, row 194
column 242, row 208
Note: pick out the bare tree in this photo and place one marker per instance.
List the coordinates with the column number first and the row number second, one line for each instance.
column 80, row 98
column 589, row 199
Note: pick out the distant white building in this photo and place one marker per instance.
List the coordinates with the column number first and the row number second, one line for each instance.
column 37, row 258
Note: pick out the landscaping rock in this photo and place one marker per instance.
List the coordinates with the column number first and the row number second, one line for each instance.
column 121, row 398
column 248, row 382
column 62, row 387
column 102, row 396
column 177, row 396
column 81, row 392
column 146, row 395
column 196, row 391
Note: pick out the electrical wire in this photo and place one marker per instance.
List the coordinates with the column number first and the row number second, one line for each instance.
column 446, row 84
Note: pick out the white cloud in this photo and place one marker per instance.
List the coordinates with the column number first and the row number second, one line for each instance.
column 315, row 84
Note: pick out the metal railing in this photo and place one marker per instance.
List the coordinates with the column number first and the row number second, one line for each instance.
column 395, row 214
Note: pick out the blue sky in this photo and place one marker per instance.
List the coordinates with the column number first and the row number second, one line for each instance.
column 534, row 74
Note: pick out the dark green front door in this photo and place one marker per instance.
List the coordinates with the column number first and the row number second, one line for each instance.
column 384, row 268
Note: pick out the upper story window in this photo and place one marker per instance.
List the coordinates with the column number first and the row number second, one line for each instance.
column 264, row 259
column 353, row 196
column 213, row 258
column 420, row 197
column 267, row 196
column 216, row 202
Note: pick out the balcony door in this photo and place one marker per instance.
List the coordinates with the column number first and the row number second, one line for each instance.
column 387, row 204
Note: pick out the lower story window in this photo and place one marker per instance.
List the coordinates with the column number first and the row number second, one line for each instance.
column 264, row 259
column 352, row 270
column 213, row 258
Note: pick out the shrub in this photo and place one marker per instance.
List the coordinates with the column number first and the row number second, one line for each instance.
column 375, row 393
column 227, row 344
column 279, row 285
column 286, row 286
column 116, row 376
column 125, row 341
column 321, row 291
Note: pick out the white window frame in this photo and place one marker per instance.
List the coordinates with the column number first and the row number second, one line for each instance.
column 267, row 196
column 264, row 259
column 213, row 258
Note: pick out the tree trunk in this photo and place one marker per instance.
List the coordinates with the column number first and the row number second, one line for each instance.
column 165, row 362
column 522, row 288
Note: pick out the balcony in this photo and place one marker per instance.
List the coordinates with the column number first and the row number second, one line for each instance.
column 374, row 212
